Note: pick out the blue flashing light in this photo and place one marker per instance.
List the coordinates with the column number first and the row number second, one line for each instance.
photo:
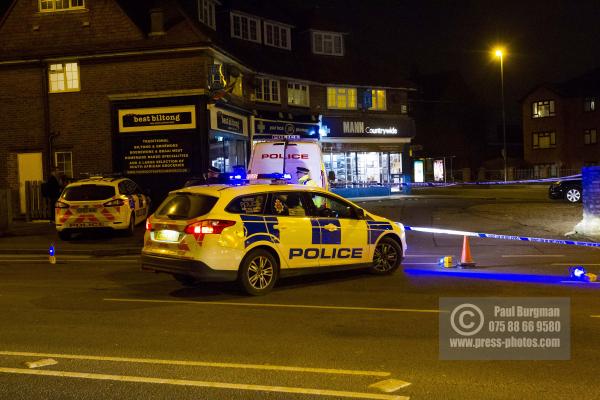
column 577, row 272
column 51, row 250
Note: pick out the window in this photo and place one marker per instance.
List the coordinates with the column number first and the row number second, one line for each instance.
column 378, row 98
column 403, row 109
column 267, row 90
column 277, row 35
column 238, row 88
column 297, row 94
column 60, row 5
column 328, row 43
column 288, row 204
column 206, row 13
column 544, row 140
column 589, row 136
column 245, row 27
column 326, row 206
column 63, row 160
column 589, row 104
column 63, row 77
column 182, row 206
column 543, row 109
column 341, row 98
column 250, row 204
column 88, row 192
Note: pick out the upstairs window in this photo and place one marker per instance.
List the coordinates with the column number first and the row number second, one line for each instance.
column 590, row 137
column 277, row 35
column 297, row 94
column 544, row 140
column 206, row 13
column 328, row 43
column 63, row 77
column 378, row 98
column 341, row 98
column 60, row 5
column 542, row 109
column 589, row 104
column 63, row 160
column 267, row 90
column 245, row 27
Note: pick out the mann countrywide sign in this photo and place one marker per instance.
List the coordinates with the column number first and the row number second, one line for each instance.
column 339, row 127
column 157, row 119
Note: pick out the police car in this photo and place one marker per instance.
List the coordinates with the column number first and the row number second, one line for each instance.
column 99, row 202
column 256, row 234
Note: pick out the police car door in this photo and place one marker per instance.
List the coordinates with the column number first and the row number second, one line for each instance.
column 293, row 223
column 343, row 236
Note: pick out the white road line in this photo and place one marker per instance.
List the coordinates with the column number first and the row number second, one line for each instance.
column 531, row 255
column 219, row 303
column 205, row 384
column 595, row 316
column 269, row 367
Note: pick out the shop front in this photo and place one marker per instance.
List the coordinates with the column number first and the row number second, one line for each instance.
column 280, row 126
column 365, row 151
column 228, row 138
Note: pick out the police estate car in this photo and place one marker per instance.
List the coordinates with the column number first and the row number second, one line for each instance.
column 255, row 234
column 115, row 203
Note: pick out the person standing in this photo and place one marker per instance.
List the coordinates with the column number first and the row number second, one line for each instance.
column 53, row 189
column 304, row 178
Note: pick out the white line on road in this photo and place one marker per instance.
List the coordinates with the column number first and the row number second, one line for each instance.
column 531, row 255
column 595, row 316
column 269, row 367
column 205, row 384
column 267, row 305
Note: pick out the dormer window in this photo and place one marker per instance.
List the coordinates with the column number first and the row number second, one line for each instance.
column 245, row 27
column 60, row 5
column 206, row 13
column 328, row 43
column 277, row 35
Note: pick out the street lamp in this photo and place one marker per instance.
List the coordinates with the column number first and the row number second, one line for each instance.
column 500, row 53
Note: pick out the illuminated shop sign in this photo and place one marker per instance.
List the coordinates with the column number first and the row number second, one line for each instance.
column 156, row 155
column 367, row 127
column 227, row 121
column 157, row 119
column 270, row 129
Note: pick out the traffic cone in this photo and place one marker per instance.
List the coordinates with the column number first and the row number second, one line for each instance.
column 466, row 261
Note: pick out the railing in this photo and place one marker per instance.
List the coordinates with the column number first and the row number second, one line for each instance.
column 36, row 205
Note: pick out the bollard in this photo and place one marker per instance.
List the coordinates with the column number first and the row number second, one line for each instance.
column 51, row 254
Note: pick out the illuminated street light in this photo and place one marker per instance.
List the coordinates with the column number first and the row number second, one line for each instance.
column 500, row 53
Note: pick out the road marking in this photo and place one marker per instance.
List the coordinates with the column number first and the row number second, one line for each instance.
column 62, row 260
column 205, row 384
column 573, row 264
column 531, row 255
column 200, row 363
column 389, row 385
column 267, row 305
column 41, row 363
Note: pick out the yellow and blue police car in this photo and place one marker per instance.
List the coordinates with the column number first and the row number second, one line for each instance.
column 100, row 202
column 257, row 233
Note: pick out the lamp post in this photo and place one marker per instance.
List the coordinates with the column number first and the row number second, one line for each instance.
column 500, row 53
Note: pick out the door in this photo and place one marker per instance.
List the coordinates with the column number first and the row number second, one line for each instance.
column 343, row 236
column 30, row 169
column 295, row 229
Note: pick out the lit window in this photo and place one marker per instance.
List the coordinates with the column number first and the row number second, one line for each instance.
column 267, row 90
column 63, row 77
column 589, row 104
column 541, row 109
column 206, row 13
column 64, row 163
column 589, row 136
column 378, row 98
column 277, row 35
column 238, row 89
column 544, row 140
column 60, row 5
column 341, row 98
column 245, row 27
column 328, row 43
column 298, row 94
column 403, row 109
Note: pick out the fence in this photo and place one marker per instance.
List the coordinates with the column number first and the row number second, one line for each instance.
column 36, row 205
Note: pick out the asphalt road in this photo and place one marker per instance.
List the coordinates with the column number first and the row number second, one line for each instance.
column 116, row 332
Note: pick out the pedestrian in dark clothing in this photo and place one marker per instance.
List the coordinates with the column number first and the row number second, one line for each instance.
column 53, row 189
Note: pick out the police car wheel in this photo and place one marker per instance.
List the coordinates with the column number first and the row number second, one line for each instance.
column 185, row 280
column 258, row 272
column 64, row 235
column 387, row 257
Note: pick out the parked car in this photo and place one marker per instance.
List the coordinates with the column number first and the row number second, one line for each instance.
column 568, row 189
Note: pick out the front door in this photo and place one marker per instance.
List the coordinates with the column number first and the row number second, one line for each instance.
column 30, row 169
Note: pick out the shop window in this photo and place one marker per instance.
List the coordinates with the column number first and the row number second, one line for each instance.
column 328, row 43
column 63, row 77
column 245, row 27
column 378, row 98
column 590, row 137
column 544, row 140
column 341, row 98
column 589, row 104
column 297, row 94
column 206, row 13
column 63, row 160
column 277, row 35
column 542, row 109
column 267, row 90
column 60, row 5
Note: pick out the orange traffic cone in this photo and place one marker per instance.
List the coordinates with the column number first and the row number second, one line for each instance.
column 466, row 261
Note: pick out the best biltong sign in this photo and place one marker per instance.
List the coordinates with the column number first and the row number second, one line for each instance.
column 157, row 119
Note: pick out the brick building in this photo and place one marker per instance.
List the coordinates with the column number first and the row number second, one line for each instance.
column 161, row 90
column 561, row 123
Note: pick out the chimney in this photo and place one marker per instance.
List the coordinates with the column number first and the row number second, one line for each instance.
column 157, row 22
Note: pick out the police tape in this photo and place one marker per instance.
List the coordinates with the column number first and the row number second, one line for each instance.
column 513, row 182
column 501, row 237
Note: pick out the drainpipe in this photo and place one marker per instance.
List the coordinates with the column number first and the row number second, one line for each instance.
column 46, row 108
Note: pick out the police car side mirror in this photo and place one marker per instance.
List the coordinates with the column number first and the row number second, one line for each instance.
column 360, row 213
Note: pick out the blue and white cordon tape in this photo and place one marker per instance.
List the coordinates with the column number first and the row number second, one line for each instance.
column 515, row 182
column 501, row 237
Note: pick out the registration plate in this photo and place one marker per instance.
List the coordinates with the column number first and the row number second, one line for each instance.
column 166, row 235
column 86, row 210
column 86, row 225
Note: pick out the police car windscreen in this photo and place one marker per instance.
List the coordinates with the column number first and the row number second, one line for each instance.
column 89, row 192
column 185, row 206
